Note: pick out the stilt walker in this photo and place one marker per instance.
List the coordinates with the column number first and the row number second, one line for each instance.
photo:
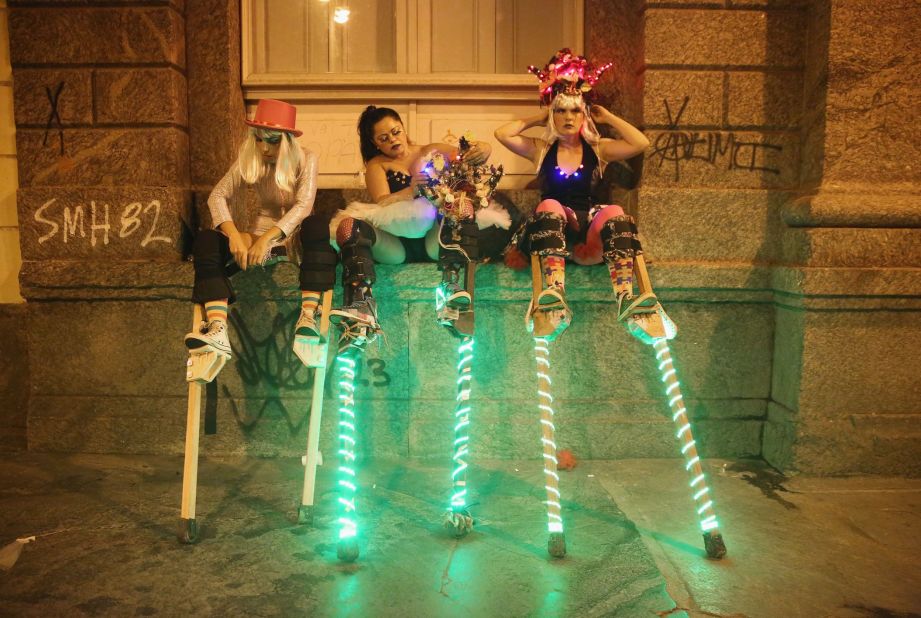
column 569, row 157
column 457, row 517
column 202, row 367
column 357, row 321
column 283, row 176
column 459, row 189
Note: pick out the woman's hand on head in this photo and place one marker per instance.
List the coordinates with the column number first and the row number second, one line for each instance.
column 600, row 114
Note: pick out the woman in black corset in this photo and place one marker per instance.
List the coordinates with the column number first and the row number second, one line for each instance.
column 570, row 157
column 398, row 227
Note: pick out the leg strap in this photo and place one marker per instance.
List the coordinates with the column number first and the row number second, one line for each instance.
column 618, row 238
column 545, row 234
column 355, row 241
column 318, row 258
column 464, row 234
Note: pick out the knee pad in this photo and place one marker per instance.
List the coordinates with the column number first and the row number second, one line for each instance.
column 464, row 234
column 318, row 258
column 207, row 244
column 618, row 238
column 545, row 234
column 355, row 239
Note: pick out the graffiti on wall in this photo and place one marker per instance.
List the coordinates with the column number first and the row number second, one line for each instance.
column 678, row 146
column 54, row 118
column 270, row 361
column 97, row 224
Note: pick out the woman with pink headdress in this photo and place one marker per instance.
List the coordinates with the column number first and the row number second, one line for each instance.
column 570, row 222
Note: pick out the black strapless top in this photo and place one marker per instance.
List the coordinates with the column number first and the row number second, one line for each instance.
column 397, row 180
column 573, row 190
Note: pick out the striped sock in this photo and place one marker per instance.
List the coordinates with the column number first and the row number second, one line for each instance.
column 621, row 270
column 554, row 270
column 309, row 301
column 216, row 310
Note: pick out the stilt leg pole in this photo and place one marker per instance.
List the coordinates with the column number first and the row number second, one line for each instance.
column 556, row 545
column 347, row 544
column 458, row 517
column 202, row 367
column 305, row 511
column 703, row 500
column 188, row 530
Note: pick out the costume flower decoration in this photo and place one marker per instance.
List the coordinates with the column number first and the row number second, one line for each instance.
column 458, row 188
column 569, row 73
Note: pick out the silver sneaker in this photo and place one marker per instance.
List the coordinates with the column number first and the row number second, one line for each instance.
column 358, row 322
column 212, row 334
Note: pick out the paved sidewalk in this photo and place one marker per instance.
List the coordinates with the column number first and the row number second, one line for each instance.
column 106, row 545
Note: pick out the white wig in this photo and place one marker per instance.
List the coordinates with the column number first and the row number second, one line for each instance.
column 290, row 159
column 589, row 131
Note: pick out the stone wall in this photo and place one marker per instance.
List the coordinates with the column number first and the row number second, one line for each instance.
column 788, row 294
column 102, row 114
column 849, row 280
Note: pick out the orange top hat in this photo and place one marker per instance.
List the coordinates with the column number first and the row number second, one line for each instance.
column 275, row 115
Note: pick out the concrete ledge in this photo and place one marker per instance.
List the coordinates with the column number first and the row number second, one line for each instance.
column 805, row 287
column 855, row 207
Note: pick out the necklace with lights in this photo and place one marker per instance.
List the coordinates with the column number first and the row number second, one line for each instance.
column 574, row 174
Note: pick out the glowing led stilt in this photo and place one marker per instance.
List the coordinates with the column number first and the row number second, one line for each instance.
column 457, row 516
column 557, row 543
column 347, row 546
column 713, row 540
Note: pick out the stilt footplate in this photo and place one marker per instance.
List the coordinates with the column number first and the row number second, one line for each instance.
column 347, row 550
column 459, row 522
column 305, row 514
column 713, row 543
column 188, row 531
column 556, row 546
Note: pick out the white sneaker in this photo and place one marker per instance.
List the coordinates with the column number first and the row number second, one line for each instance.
column 307, row 325
column 212, row 334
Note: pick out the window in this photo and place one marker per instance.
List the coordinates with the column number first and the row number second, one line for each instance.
column 446, row 66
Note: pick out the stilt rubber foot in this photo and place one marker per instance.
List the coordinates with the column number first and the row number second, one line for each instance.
column 713, row 543
column 188, row 531
column 347, row 550
column 556, row 546
column 305, row 514
column 459, row 522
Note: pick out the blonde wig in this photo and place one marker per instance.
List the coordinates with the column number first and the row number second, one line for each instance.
column 289, row 161
column 588, row 130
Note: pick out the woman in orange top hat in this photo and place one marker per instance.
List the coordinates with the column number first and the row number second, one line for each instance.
column 284, row 177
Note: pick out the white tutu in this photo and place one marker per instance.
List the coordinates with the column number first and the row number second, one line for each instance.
column 493, row 215
column 412, row 218
column 406, row 218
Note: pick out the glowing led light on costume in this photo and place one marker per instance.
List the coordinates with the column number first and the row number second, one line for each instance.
column 551, row 478
column 704, row 505
column 462, row 418
column 440, row 298
column 348, row 525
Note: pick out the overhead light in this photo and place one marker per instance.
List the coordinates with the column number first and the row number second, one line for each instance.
column 341, row 15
